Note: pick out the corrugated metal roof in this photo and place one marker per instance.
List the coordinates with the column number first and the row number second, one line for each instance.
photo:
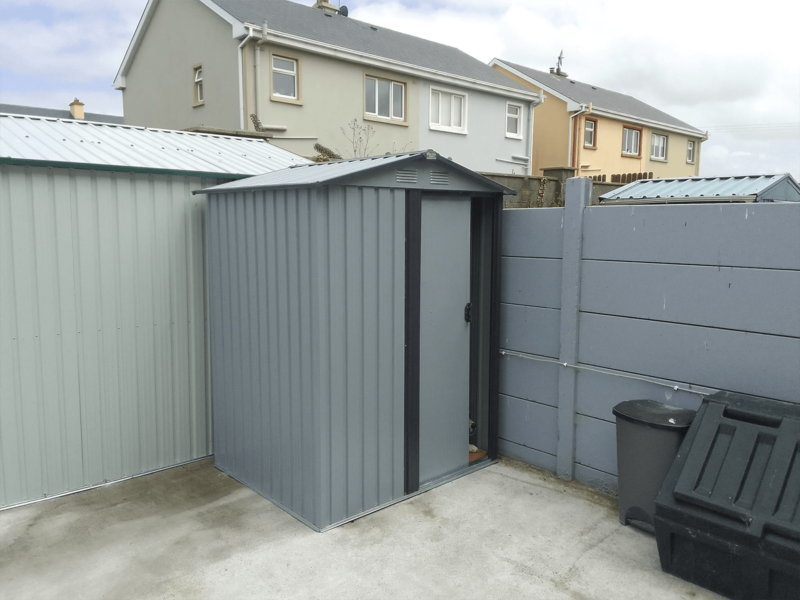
column 756, row 188
column 62, row 142
column 314, row 174
column 584, row 93
column 345, row 32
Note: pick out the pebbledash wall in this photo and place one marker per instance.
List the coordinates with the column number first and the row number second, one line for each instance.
column 602, row 304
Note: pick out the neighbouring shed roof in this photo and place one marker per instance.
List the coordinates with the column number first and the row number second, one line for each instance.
column 747, row 188
column 80, row 144
column 344, row 171
column 584, row 93
column 35, row 111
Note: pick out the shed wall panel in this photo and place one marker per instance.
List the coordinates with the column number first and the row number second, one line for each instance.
column 307, row 307
column 102, row 328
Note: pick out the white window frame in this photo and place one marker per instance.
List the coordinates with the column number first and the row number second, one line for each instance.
column 638, row 141
column 662, row 155
column 464, row 111
column 518, row 117
column 392, row 84
column 199, row 98
column 690, row 151
column 294, row 74
column 586, row 123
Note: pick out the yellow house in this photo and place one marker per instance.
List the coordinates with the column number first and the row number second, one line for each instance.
column 603, row 134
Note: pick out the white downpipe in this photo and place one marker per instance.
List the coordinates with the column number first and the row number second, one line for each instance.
column 584, row 108
column 242, row 79
column 259, row 43
column 533, row 104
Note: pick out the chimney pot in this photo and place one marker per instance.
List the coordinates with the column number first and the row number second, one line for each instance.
column 76, row 110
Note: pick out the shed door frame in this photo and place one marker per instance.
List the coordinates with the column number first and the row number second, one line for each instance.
column 484, row 206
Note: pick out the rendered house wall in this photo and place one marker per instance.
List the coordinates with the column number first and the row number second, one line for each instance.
column 160, row 83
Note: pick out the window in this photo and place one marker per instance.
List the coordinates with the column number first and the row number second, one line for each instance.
column 513, row 120
column 198, row 85
column 448, row 111
column 589, row 133
column 658, row 147
column 284, row 77
column 384, row 99
column 690, row 152
column 630, row 141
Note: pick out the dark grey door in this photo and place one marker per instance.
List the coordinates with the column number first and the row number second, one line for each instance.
column 444, row 337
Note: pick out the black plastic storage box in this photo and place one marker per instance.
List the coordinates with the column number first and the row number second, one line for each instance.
column 728, row 513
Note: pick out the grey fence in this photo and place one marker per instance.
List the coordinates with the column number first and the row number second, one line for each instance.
column 609, row 303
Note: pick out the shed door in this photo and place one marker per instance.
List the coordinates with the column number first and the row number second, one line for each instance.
column 444, row 346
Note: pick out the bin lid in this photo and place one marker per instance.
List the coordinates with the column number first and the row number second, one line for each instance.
column 654, row 414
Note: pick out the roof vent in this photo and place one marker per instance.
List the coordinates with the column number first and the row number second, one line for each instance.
column 406, row 176
column 440, row 177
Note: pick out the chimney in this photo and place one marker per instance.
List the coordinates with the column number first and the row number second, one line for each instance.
column 76, row 109
column 326, row 7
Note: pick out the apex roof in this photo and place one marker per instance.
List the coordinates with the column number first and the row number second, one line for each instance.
column 303, row 23
column 584, row 93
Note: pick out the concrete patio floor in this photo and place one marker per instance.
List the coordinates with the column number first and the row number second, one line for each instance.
column 507, row 531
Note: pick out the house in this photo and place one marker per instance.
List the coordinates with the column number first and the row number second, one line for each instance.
column 75, row 111
column 102, row 288
column 313, row 75
column 603, row 134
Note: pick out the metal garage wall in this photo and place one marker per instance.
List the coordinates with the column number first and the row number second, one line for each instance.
column 102, row 328
column 309, row 408
column 666, row 302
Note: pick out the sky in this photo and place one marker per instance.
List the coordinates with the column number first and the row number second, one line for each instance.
column 731, row 68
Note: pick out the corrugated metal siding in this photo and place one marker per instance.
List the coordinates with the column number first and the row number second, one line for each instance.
column 102, row 328
column 79, row 142
column 307, row 333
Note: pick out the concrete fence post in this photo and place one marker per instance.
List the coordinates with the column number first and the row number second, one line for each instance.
column 578, row 196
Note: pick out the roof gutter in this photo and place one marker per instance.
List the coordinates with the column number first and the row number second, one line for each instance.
column 612, row 114
column 242, row 78
column 341, row 53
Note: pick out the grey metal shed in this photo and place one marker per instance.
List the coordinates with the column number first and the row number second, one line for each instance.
column 354, row 311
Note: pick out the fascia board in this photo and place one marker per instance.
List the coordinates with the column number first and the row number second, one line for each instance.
column 571, row 104
column 136, row 40
column 618, row 116
column 340, row 53
column 238, row 29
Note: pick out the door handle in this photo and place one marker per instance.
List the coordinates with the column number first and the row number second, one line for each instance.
column 468, row 312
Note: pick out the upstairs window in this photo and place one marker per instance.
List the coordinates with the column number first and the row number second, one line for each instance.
column 284, row 77
column 658, row 147
column 448, row 111
column 690, row 152
column 589, row 133
column 630, row 141
column 198, row 85
column 513, row 120
column 384, row 99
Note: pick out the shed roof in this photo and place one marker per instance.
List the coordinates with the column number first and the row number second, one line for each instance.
column 342, row 171
column 584, row 93
column 746, row 188
column 55, row 113
column 80, row 144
